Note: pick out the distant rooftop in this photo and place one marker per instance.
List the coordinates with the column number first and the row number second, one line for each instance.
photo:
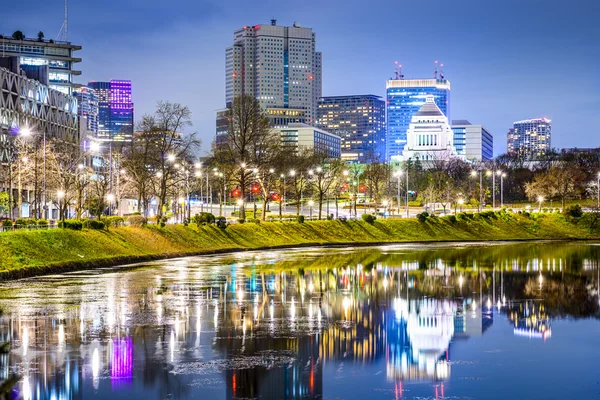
column 350, row 96
column 9, row 39
column 461, row 122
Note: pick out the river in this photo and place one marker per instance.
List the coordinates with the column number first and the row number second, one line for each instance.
column 454, row 321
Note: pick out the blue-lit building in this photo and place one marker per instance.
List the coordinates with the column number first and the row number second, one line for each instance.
column 87, row 107
column 404, row 98
column 115, row 110
column 473, row 141
column 360, row 122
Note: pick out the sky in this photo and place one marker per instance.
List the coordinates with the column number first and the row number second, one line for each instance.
column 506, row 60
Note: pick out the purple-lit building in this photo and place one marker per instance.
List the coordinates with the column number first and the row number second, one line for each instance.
column 115, row 110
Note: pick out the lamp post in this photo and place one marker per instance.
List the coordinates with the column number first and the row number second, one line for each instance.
column 474, row 173
column 110, row 197
column 310, row 205
column 502, row 175
column 540, row 200
column 399, row 175
column 61, row 216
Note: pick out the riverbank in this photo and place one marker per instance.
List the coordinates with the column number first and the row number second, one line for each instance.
column 29, row 253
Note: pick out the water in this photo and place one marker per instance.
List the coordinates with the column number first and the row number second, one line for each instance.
column 500, row 321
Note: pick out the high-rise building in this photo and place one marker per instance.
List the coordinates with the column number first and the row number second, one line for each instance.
column 473, row 141
column 279, row 66
column 404, row 98
column 530, row 137
column 87, row 110
column 57, row 55
column 359, row 121
column 115, row 109
column 429, row 136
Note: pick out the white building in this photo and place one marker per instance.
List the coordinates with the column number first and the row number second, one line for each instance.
column 303, row 136
column 280, row 67
column 429, row 136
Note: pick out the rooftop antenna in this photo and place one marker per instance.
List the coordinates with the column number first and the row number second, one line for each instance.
column 398, row 71
column 63, row 34
column 435, row 71
column 442, row 71
column 273, row 21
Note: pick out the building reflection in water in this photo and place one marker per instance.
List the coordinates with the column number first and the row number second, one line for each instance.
column 265, row 334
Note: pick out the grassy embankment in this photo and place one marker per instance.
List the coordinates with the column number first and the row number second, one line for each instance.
column 26, row 253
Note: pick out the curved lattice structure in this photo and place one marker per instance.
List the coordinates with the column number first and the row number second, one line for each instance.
column 26, row 102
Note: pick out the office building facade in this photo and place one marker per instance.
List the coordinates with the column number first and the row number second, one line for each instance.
column 303, row 136
column 57, row 55
column 115, row 110
column 87, row 102
column 404, row 98
column 530, row 137
column 279, row 66
column 473, row 141
column 359, row 121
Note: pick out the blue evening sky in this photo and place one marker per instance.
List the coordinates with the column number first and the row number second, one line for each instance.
column 507, row 60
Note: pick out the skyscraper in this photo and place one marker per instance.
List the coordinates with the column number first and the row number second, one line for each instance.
column 530, row 137
column 279, row 66
column 87, row 101
column 404, row 98
column 57, row 55
column 359, row 121
column 473, row 141
column 115, row 109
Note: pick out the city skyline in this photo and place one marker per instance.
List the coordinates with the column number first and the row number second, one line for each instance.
column 496, row 74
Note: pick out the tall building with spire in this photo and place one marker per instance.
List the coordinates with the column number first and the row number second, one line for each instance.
column 279, row 66
column 404, row 98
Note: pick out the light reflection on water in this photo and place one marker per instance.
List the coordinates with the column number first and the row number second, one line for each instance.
column 392, row 322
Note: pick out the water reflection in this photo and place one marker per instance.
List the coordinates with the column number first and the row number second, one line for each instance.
column 286, row 324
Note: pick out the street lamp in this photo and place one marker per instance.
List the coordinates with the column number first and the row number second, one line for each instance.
column 60, row 195
column 311, row 204
column 540, row 200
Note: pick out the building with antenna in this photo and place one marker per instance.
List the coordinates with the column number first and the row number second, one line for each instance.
column 404, row 98
column 58, row 56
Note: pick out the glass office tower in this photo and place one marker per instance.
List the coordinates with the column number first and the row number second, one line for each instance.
column 115, row 109
column 360, row 122
column 404, row 98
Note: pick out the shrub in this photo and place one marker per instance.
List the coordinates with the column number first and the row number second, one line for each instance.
column 300, row 219
column 574, row 211
column 42, row 222
column 93, row 224
column 423, row 216
column 368, row 218
column 241, row 221
column 204, row 218
column 20, row 223
column 7, row 223
column 415, row 204
column 451, row 218
column 221, row 222
column 113, row 221
column 254, row 221
column 137, row 220
column 330, row 217
column 71, row 224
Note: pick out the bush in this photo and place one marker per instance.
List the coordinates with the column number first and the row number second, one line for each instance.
column 7, row 223
column 254, row 221
column 221, row 222
column 574, row 211
column 423, row 216
column 20, row 223
column 137, row 220
column 42, row 222
column 368, row 218
column 330, row 217
column 93, row 224
column 71, row 224
column 300, row 219
column 451, row 218
column 415, row 204
column 163, row 221
column 113, row 221
column 204, row 218
column 241, row 220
